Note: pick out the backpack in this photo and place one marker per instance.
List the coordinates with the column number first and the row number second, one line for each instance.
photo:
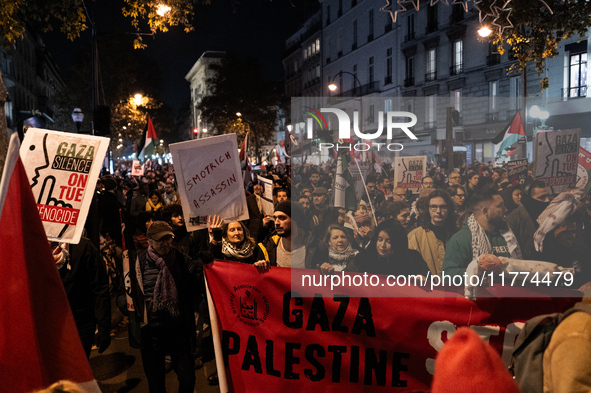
column 527, row 362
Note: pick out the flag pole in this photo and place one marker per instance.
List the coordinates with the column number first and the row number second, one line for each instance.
column 366, row 192
column 217, row 343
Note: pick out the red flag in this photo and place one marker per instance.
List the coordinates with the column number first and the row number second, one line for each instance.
column 39, row 343
column 242, row 154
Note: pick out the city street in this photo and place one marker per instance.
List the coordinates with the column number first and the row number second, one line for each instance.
column 119, row 369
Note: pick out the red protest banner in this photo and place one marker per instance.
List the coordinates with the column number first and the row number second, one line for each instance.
column 274, row 339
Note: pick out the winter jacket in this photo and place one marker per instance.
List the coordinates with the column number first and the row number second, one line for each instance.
column 138, row 204
column 458, row 253
column 399, row 263
column 86, row 284
column 188, row 276
column 267, row 249
column 524, row 228
column 432, row 249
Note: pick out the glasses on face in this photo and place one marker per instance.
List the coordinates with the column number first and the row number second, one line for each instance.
column 434, row 208
column 461, row 195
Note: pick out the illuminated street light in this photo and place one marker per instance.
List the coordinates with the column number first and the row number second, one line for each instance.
column 484, row 31
column 205, row 130
column 534, row 112
column 137, row 99
column 289, row 127
column 332, row 87
column 544, row 115
column 162, row 9
column 238, row 114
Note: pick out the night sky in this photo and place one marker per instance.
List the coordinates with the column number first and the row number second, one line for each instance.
column 256, row 28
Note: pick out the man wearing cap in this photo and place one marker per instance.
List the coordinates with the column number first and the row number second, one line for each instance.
column 163, row 289
column 291, row 245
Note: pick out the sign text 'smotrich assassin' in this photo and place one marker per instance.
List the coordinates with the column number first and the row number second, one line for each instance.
column 335, row 363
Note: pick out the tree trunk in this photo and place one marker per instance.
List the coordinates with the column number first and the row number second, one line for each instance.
column 4, row 137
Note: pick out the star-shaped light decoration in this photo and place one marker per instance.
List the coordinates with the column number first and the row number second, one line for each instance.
column 433, row 2
column 505, row 18
column 464, row 3
column 415, row 3
column 492, row 14
column 393, row 15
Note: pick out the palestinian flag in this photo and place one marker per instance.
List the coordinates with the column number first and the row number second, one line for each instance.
column 344, row 194
column 509, row 135
column 148, row 141
column 40, row 342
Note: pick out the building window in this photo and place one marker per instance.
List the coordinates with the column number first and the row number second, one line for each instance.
column 339, row 43
column 387, row 106
column 431, row 73
column 410, row 27
column 327, row 15
column 409, row 72
column 372, row 115
column 430, row 111
column 327, row 44
column 370, row 36
column 317, row 45
column 340, row 11
column 341, row 81
column 432, row 18
column 457, row 59
column 388, row 79
column 515, row 93
column 318, row 71
column 493, row 104
column 577, row 80
column 456, row 99
column 371, row 69
column 354, row 81
column 354, row 34
column 493, row 57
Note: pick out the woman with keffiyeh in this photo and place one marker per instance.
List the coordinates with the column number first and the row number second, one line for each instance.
column 232, row 242
column 338, row 253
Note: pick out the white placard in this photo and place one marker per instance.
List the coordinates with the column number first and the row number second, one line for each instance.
column 63, row 169
column 210, row 180
column 409, row 172
column 557, row 158
column 267, row 198
column 137, row 169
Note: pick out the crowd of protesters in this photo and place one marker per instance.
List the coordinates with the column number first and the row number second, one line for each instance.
column 453, row 219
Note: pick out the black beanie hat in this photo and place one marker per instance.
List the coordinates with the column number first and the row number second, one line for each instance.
column 284, row 207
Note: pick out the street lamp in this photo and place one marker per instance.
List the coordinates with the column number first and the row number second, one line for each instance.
column 78, row 117
column 484, row 31
column 238, row 114
column 289, row 127
column 137, row 99
column 162, row 9
column 205, row 130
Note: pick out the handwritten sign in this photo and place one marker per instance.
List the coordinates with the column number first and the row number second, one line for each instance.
column 137, row 169
column 584, row 170
column 267, row 198
column 210, row 180
column 409, row 172
column 63, row 169
column 517, row 171
column 556, row 158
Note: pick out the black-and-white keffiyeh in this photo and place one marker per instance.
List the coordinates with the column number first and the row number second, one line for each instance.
column 243, row 251
column 481, row 244
column 346, row 255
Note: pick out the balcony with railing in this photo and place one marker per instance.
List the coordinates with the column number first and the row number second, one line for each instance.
column 430, row 76
column 456, row 69
column 408, row 82
column 366, row 89
column 574, row 92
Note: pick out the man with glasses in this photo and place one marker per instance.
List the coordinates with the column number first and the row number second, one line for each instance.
column 436, row 226
column 458, row 195
column 454, row 179
column 399, row 195
column 427, row 182
column 163, row 290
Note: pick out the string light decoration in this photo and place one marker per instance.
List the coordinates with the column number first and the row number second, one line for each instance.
column 433, row 2
column 463, row 3
column 507, row 22
column 415, row 3
column 393, row 15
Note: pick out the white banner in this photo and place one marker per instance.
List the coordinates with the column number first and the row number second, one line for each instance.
column 556, row 158
column 267, row 198
column 210, row 180
column 63, row 169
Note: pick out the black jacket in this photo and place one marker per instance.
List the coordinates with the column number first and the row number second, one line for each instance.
column 408, row 263
column 524, row 228
column 87, row 286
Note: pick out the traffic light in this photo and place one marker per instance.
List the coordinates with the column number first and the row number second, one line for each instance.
column 195, row 131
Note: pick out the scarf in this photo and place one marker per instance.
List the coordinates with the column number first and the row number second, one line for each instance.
column 154, row 207
column 243, row 251
column 481, row 244
column 362, row 218
column 165, row 292
column 342, row 257
column 561, row 207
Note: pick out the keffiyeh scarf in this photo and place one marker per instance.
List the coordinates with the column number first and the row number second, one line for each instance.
column 481, row 244
column 165, row 292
